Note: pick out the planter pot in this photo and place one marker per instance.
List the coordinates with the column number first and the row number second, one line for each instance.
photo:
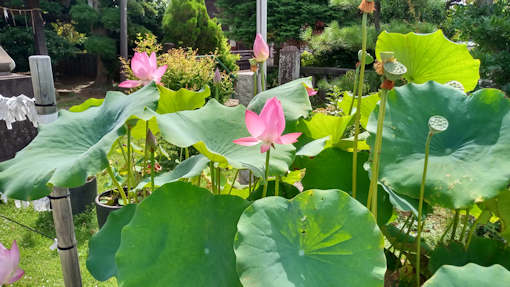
column 103, row 210
column 83, row 196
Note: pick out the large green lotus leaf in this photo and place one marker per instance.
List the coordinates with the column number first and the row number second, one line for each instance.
column 500, row 206
column 211, row 131
column 313, row 148
column 170, row 102
column 292, row 95
column 431, row 57
column 470, row 275
column 368, row 104
column 189, row 168
column 318, row 238
column 74, row 147
column 332, row 169
column 105, row 243
column 468, row 163
column 321, row 125
column 181, row 235
column 482, row 251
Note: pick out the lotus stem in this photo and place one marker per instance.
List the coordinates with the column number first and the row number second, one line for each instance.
column 464, row 225
column 372, row 193
column 277, row 186
column 213, row 184
column 129, row 159
column 266, row 178
column 119, row 142
column 358, row 109
column 255, row 83
column 420, row 207
column 445, row 232
column 116, row 183
column 249, row 181
column 473, row 228
column 262, row 77
column 354, row 90
column 218, row 180
column 146, row 149
column 153, row 163
column 186, row 150
column 233, row 181
column 455, row 224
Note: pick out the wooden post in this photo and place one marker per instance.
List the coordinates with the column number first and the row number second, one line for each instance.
column 38, row 28
column 44, row 94
column 262, row 24
column 44, row 89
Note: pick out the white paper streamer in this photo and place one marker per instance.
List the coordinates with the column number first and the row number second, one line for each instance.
column 17, row 109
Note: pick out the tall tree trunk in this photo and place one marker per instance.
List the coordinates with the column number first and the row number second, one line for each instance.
column 377, row 16
column 123, row 33
column 38, row 28
column 101, row 72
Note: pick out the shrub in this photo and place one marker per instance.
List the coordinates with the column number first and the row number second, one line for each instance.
column 489, row 27
column 102, row 46
column 338, row 46
column 187, row 24
column 19, row 44
column 185, row 69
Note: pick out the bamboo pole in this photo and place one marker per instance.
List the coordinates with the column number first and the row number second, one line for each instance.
column 44, row 93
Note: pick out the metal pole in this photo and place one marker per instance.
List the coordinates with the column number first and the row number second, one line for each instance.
column 45, row 99
column 262, row 25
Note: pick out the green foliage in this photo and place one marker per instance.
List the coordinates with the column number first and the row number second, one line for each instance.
column 187, row 24
column 318, row 238
column 470, row 275
column 431, row 57
column 467, row 162
column 176, row 230
column 103, row 46
column 285, row 19
column 84, row 16
column 338, row 45
column 110, row 18
column 82, row 154
column 489, row 27
column 18, row 41
column 432, row 11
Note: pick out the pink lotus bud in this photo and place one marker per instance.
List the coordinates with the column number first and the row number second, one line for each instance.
column 260, row 49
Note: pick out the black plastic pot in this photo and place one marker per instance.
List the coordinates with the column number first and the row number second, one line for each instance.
column 83, row 196
column 103, row 210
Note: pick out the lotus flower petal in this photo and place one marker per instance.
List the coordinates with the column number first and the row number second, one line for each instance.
column 130, row 84
column 254, row 123
column 248, row 141
column 274, row 119
column 140, row 66
column 288, row 138
column 158, row 73
column 9, row 260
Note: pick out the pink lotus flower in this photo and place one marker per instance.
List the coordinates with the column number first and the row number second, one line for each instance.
column 311, row 92
column 145, row 69
column 9, row 260
column 267, row 128
column 260, row 49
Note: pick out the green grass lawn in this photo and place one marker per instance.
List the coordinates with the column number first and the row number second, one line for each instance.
column 42, row 265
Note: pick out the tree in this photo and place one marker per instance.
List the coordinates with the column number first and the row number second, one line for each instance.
column 286, row 18
column 187, row 24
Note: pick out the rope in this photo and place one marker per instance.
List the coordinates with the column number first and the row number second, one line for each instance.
column 26, row 227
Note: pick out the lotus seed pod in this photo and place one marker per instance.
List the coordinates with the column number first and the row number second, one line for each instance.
column 387, row 56
column 438, row 124
column 368, row 58
column 394, row 70
column 456, row 85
